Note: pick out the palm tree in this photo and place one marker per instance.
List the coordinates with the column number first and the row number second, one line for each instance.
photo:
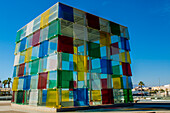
column 141, row 84
column 9, row 82
column 5, row 82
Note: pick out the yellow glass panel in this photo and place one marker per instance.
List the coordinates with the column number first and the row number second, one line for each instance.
column 122, row 57
column 28, row 54
column 65, row 95
column 75, row 62
column 15, row 84
column 85, row 63
column 75, row 58
column 128, row 57
column 52, row 98
column 44, row 18
column 75, row 50
column 80, row 66
column 80, row 76
column 80, row 63
column 105, row 39
column 96, row 95
column 116, row 83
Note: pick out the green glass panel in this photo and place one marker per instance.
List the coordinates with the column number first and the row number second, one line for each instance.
column 88, row 84
column 125, row 93
column 52, row 79
column 18, row 36
column 116, row 70
column 53, row 29
column 130, row 95
column 65, row 57
column 94, row 50
column 115, row 28
column 52, row 83
column 65, row 79
column 19, row 97
column 34, row 66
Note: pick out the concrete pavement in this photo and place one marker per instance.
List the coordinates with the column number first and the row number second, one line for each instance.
column 5, row 107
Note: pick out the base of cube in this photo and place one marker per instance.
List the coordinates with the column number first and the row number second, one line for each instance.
column 32, row 108
column 66, row 109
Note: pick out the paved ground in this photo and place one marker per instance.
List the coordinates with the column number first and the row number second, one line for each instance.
column 137, row 108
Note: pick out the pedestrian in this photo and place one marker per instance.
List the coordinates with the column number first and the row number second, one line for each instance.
column 0, row 84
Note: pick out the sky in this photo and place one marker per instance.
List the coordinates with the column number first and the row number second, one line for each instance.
column 148, row 23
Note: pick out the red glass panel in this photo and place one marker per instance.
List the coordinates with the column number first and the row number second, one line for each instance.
column 42, row 80
column 116, row 45
column 65, row 44
column 13, row 96
column 126, row 69
column 21, row 70
column 93, row 21
column 104, row 83
column 107, row 96
column 23, row 100
column 36, row 37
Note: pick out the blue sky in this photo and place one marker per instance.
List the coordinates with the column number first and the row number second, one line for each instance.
column 148, row 22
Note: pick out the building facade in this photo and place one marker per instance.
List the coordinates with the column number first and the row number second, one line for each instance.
column 66, row 57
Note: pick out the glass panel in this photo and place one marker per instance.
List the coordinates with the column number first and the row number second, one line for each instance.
column 93, row 21
column 115, row 28
column 52, row 79
column 66, row 28
column 34, row 81
column 44, row 34
column 29, row 41
column 52, row 62
column 53, row 13
column 15, row 84
column 29, row 28
column 33, row 100
column 34, row 66
column 52, row 47
column 44, row 18
column 66, row 12
column 79, row 17
column 43, row 65
column 43, row 49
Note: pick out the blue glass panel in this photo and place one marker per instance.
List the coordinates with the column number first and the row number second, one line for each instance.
column 74, row 76
column 80, row 97
column 124, row 82
column 122, row 43
column 106, row 66
column 71, row 66
column 95, row 63
column 130, row 83
column 23, row 43
column 43, row 49
column 71, row 57
column 14, row 72
column 65, row 65
column 127, row 45
column 66, row 12
column 103, row 76
column 81, row 84
column 44, row 95
column 27, row 81
column 52, row 45
column 103, row 52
